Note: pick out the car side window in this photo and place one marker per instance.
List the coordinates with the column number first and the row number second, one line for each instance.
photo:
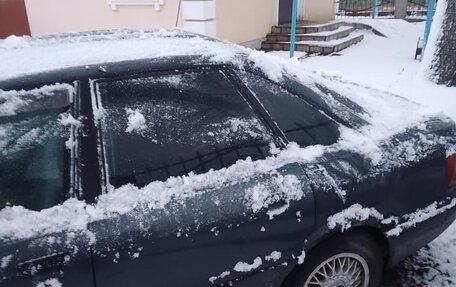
column 300, row 122
column 36, row 141
column 164, row 125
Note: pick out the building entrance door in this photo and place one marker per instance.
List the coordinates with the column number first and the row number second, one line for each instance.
column 285, row 11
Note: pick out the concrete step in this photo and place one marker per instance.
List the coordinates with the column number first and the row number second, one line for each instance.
column 319, row 47
column 341, row 32
column 306, row 28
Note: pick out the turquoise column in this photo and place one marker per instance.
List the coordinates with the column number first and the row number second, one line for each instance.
column 294, row 15
column 374, row 8
column 430, row 15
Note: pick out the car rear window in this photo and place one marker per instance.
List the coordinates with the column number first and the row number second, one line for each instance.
column 35, row 143
column 167, row 125
column 299, row 121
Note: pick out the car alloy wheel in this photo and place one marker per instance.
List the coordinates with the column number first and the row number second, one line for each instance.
column 341, row 270
column 354, row 258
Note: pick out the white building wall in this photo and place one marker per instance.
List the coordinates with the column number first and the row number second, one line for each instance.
column 318, row 10
column 245, row 21
column 241, row 21
column 51, row 16
column 199, row 16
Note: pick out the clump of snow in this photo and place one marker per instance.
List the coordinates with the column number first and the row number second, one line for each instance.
column 271, row 66
column 136, row 121
column 66, row 119
column 53, row 282
column 277, row 211
column 279, row 188
column 274, row 256
column 301, row 257
column 14, row 42
column 70, row 144
column 4, row 262
column 246, row 267
column 221, row 276
column 419, row 216
column 19, row 222
column 355, row 212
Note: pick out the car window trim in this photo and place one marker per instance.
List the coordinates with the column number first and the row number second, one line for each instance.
column 281, row 139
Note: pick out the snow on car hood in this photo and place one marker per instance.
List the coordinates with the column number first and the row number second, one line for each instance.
column 386, row 114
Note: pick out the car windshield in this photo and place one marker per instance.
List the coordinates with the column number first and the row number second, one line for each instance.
column 34, row 132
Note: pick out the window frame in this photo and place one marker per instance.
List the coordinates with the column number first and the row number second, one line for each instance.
column 276, row 135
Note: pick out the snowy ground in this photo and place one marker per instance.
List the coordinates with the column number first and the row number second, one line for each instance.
column 388, row 64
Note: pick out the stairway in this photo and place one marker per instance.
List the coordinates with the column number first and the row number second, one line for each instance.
column 322, row 39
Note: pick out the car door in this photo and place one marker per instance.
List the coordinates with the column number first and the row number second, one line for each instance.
column 297, row 115
column 189, row 166
column 39, row 172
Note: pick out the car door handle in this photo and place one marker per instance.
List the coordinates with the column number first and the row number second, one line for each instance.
column 43, row 264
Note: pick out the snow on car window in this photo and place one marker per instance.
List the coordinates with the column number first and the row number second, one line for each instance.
column 179, row 123
column 31, row 117
column 174, row 114
column 36, row 137
column 23, row 134
column 53, row 96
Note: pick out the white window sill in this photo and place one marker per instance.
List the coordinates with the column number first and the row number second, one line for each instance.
column 156, row 3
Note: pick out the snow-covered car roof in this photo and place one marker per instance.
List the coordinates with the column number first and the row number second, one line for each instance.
column 22, row 56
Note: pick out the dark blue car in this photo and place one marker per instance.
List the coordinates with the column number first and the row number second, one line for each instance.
column 193, row 168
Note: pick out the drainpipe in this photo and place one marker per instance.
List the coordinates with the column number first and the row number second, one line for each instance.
column 178, row 12
column 300, row 10
column 294, row 12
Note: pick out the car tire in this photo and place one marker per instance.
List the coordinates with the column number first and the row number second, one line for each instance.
column 358, row 249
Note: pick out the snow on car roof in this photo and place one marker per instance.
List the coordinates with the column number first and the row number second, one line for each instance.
column 30, row 55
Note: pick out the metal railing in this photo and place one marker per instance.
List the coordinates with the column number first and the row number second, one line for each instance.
column 377, row 8
column 417, row 8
